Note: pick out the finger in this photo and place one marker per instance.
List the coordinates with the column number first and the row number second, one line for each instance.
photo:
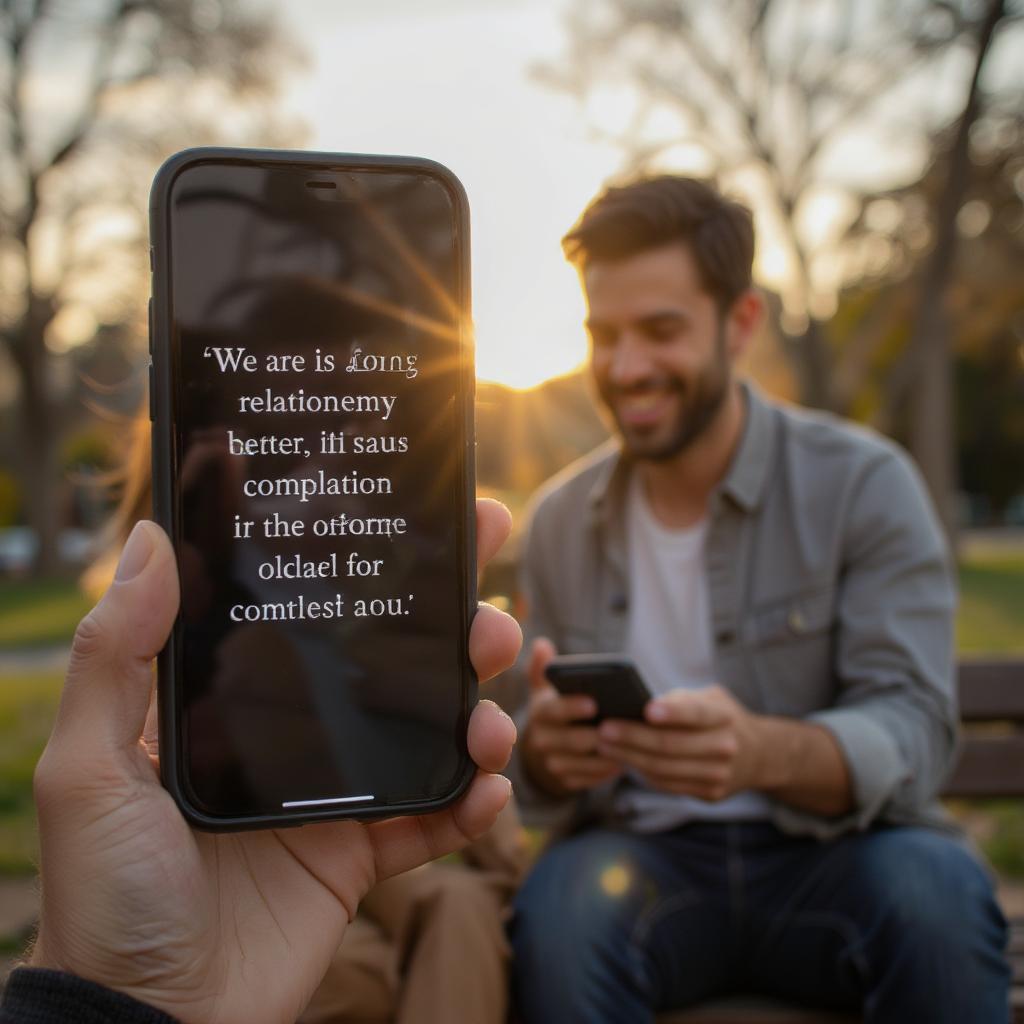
column 562, row 765
column 493, row 524
column 665, row 766
column 574, row 739
column 109, row 680
column 677, row 742
column 490, row 737
column 711, row 792
column 576, row 783
column 541, row 653
column 494, row 641
column 551, row 706
column 400, row 844
column 695, row 709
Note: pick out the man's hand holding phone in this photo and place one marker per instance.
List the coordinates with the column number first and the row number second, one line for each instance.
column 214, row 927
column 560, row 748
column 700, row 743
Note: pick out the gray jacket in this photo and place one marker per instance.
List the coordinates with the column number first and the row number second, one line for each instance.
column 832, row 600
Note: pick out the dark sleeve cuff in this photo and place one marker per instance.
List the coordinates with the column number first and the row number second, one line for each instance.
column 35, row 995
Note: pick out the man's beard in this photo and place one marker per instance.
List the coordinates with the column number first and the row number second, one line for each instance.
column 700, row 401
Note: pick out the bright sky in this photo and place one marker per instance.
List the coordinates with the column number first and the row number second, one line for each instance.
column 454, row 80
column 451, row 80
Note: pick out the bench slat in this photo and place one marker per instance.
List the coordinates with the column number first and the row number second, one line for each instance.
column 991, row 689
column 989, row 766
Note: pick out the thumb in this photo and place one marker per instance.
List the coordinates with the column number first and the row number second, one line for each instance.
column 110, row 676
column 695, row 709
column 541, row 653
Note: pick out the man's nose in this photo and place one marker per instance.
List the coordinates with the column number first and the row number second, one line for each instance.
column 631, row 363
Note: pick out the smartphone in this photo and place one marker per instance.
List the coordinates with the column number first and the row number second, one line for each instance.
column 312, row 402
column 613, row 680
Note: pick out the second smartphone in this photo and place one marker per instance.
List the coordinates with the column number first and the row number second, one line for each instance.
column 312, row 396
column 613, row 680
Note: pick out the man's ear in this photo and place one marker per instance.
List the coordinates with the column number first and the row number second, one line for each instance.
column 742, row 321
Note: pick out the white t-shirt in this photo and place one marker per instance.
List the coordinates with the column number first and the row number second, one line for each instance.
column 670, row 638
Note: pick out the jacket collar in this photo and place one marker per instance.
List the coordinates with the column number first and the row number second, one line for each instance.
column 745, row 481
column 747, row 477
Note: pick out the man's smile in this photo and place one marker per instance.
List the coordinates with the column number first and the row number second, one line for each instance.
column 643, row 408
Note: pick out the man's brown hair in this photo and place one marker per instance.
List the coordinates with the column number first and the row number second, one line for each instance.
column 628, row 219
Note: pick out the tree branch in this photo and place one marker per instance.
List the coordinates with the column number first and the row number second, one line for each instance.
column 100, row 82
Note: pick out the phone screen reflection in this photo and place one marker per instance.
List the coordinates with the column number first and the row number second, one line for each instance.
column 317, row 323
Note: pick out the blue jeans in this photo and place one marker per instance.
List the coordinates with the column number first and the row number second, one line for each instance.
column 901, row 923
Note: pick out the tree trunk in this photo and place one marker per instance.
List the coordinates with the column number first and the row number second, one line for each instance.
column 932, row 434
column 39, row 435
column 810, row 356
column 42, row 487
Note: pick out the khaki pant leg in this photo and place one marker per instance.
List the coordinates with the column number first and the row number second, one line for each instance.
column 447, row 924
column 361, row 984
column 428, row 946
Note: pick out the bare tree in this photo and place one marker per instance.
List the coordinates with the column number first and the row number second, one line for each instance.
column 93, row 94
column 793, row 103
column 982, row 299
column 929, row 358
column 783, row 100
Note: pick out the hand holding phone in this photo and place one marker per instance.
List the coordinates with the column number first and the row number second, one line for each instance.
column 559, row 743
column 698, row 742
column 312, row 398
column 125, row 877
column 612, row 680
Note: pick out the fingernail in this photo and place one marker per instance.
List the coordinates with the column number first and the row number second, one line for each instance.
column 135, row 555
column 609, row 730
column 512, row 722
column 657, row 712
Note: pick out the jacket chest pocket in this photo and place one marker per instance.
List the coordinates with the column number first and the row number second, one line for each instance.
column 790, row 644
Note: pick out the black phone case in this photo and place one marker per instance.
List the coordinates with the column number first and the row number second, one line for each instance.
column 163, row 371
column 617, row 687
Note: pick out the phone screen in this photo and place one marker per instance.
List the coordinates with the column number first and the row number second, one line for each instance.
column 320, row 383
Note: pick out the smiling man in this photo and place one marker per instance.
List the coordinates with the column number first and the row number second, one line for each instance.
column 780, row 579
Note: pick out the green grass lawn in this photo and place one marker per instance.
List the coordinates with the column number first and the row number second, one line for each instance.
column 27, row 706
column 37, row 613
column 991, row 620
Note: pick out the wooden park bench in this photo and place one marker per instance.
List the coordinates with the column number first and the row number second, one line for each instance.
column 991, row 764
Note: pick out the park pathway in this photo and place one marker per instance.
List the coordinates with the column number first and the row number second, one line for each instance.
column 32, row 660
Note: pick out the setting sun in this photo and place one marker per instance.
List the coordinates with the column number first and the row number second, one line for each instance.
column 521, row 149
